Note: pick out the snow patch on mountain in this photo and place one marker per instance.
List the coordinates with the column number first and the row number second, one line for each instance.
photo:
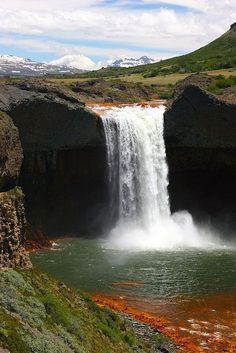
column 68, row 64
column 18, row 66
column 130, row 62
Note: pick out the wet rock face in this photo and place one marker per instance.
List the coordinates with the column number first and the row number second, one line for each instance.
column 200, row 132
column 12, row 229
column 12, row 212
column 66, row 192
column 10, row 152
column 63, row 173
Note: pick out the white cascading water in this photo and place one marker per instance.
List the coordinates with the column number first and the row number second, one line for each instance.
column 138, row 177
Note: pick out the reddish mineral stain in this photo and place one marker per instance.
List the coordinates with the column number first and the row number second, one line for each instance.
column 197, row 325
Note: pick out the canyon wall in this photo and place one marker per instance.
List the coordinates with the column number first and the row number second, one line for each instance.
column 64, row 170
column 200, row 137
column 12, row 212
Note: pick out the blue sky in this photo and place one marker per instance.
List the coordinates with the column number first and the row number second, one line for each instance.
column 98, row 31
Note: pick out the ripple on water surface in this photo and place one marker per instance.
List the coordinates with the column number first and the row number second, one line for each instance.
column 193, row 290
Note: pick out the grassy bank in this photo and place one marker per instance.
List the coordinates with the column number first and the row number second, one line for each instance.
column 157, row 80
column 41, row 315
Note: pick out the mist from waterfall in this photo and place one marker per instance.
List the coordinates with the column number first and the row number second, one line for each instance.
column 138, row 181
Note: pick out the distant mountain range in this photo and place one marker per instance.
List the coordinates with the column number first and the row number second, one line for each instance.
column 131, row 62
column 11, row 65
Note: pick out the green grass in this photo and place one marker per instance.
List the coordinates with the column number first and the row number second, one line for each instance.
column 41, row 315
column 161, row 80
column 219, row 54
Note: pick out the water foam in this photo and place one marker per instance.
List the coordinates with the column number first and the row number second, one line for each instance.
column 138, row 178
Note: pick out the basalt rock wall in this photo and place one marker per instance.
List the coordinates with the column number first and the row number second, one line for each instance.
column 12, row 212
column 64, row 169
column 200, row 137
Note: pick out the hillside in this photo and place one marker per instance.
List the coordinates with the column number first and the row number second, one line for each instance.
column 219, row 54
column 39, row 314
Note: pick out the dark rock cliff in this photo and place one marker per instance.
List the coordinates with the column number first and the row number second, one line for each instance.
column 12, row 212
column 200, row 137
column 12, row 229
column 63, row 173
column 10, row 152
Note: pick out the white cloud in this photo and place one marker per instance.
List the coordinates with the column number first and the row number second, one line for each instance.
column 163, row 28
column 64, row 21
column 192, row 4
column 48, row 5
column 77, row 60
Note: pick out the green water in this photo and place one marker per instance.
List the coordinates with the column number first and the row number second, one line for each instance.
column 88, row 266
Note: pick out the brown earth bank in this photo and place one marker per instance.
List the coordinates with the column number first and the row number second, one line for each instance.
column 199, row 132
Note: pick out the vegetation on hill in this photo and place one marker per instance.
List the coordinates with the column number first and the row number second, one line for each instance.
column 219, row 54
column 220, row 83
column 41, row 315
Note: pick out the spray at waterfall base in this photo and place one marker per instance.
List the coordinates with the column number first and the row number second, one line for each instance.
column 138, row 182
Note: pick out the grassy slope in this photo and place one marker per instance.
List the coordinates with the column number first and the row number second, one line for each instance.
column 40, row 315
column 219, row 54
column 161, row 80
column 216, row 58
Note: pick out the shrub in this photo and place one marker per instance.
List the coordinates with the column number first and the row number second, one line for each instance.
column 220, row 83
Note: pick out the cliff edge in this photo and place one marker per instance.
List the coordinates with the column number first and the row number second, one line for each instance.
column 200, row 130
column 12, row 212
column 63, row 172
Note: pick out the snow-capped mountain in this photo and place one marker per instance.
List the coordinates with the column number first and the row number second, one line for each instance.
column 17, row 66
column 130, row 62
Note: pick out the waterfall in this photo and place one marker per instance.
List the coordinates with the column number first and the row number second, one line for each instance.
column 138, row 181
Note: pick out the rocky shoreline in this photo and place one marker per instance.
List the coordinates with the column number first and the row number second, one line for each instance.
column 153, row 338
column 151, row 328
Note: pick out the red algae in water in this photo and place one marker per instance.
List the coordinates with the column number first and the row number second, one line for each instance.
column 198, row 325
